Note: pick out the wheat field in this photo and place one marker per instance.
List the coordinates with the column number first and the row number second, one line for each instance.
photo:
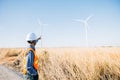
column 101, row 63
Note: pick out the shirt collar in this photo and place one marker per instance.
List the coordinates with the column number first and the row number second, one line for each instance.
column 31, row 46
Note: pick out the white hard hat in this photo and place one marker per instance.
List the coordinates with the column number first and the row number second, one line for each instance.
column 31, row 37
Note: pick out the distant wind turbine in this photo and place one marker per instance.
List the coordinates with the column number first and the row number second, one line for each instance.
column 85, row 22
column 41, row 26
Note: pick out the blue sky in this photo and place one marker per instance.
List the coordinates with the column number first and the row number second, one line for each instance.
column 19, row 17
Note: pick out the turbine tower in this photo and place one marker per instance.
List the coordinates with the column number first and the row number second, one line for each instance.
column 85, row 22
column 41, row 26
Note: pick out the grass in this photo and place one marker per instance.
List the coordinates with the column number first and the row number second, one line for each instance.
column 70, row 63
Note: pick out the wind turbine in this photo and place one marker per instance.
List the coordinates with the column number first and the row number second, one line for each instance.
column 85, row 22
column 41, row 26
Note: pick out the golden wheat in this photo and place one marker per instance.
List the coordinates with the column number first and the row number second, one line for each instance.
column 71, row 63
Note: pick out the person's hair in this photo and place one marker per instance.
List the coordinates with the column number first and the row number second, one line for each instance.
column 30, row 42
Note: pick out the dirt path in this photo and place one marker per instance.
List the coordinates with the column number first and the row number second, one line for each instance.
column 7, row 74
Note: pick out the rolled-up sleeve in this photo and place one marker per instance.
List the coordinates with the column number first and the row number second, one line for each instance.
column 30, row 63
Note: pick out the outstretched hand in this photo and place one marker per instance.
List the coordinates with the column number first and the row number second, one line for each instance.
column 39, row 38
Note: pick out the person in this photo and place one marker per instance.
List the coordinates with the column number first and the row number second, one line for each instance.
column 31, row 58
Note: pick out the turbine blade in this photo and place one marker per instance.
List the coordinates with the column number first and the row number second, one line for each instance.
column 79, row 20
column 45, row 24
column 39, row 22
column 88, row 18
